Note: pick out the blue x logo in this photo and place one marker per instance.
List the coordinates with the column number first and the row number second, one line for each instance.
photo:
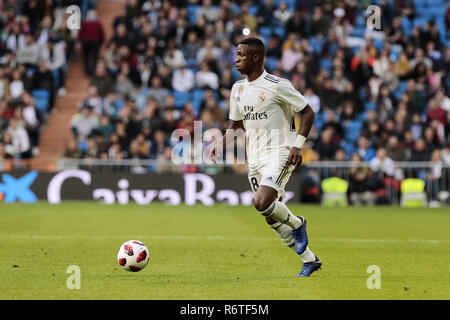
column 18, row 189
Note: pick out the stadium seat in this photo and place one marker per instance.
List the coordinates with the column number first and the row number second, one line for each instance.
column 290, row 3
column 326, row 64
column 362, row 116
column 435, row 3
column 316, row 43
column 349, row 148
column 253, row 10
column 370, row 105
column 271, row 64
column 42, row 97
column 352, row 130
column 265, row 31
column 191, row 62
column 358, row 32
column 236, row 74
column 360, row 22
column 198, row 94
column 319, row 120
column 402, row 85
column 420, row 22
column 280, row 31
column 379, row 44
column 197, row 100
column 431, row 12
column 236, row 9
column 407, row 26
column 192, row 12
column 197, row 104
column 180, row 98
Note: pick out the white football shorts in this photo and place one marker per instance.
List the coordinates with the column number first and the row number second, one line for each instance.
column 274, row 174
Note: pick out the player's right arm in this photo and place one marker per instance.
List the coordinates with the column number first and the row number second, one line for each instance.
column 228, row 138
column 236, row 124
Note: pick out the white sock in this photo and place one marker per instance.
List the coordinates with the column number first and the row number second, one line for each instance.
column 308, row 256
column 285, row 234
column 278, row 211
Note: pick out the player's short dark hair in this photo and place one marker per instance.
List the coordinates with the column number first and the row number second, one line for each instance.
column 256, row 43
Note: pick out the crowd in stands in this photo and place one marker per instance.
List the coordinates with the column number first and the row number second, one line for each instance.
column 35, row 49
column 380, row 94
column 169, row 63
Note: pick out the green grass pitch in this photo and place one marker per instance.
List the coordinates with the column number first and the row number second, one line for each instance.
column 221, row 252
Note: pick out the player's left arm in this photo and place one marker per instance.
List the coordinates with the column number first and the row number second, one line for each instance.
column 295, row 100
column 307, row 116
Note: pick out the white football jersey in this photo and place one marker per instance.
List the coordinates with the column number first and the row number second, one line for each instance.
column 266, row 105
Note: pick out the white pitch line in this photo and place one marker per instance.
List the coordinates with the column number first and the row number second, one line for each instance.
column 209, row 238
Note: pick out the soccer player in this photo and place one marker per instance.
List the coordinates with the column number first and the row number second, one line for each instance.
column 264, row 105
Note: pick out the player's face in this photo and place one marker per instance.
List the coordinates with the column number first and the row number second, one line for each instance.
column 244, row 55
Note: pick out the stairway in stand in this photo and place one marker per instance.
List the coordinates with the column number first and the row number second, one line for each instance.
column 57, row 131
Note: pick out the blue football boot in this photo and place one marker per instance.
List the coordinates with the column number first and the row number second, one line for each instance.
column 310, row 267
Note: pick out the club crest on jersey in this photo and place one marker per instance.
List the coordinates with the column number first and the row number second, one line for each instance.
column 261, row 97
column 241, row 88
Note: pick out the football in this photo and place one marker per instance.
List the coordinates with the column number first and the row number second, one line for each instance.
column 133, row 255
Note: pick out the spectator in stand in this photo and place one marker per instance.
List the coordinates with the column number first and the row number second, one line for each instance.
column 16, row 87
column 265, row 12
column 297, row 23
column 72, row 151
column 191, row 46
column 91, row 36
column 367, row 87
column 319, row 22
column 159, row 144
column 394, row 150
column 173, row 57
column 4, row 82
column 326, row 147
column 183, row 79
column 435, row 112
column 205, row 78
column 434, row 176
column 123, row 85
column 93, row 100
column 43, row 79
column 30, row 43
column 157, row 91
column 364, row 150
column 420, row 152
column 382, row 163
column 9, row 150
column 19, row 139
column 29, row 53
column 282, row 13
column 208, row 11
column 313, row 99
column 102, row 80
column 54, row 54
column 291, row 56
column 249, row 20
column 363, row 186
column 85, row 122
column 445, row 154
column 32, row 119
